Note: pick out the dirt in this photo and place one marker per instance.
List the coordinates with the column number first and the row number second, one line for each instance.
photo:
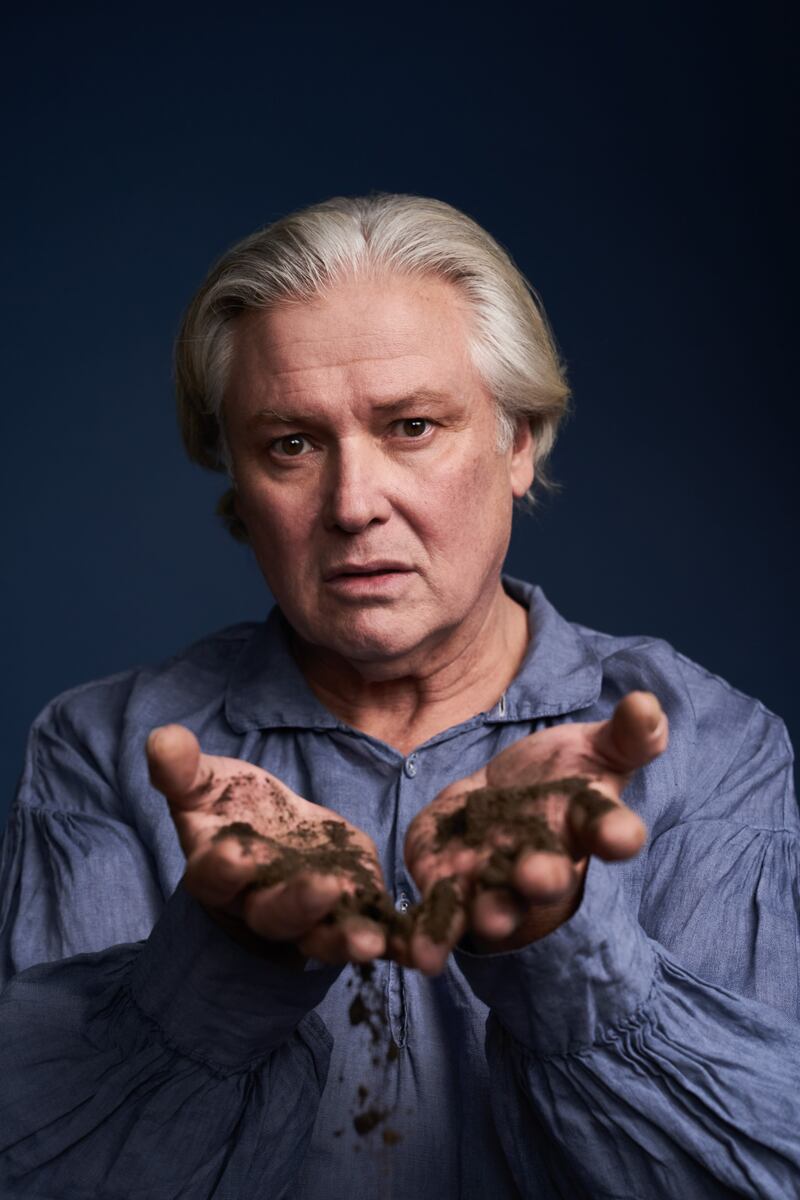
column 330, row 847
column 510, row 815
column 507, row 816
column 325, row 848
column 367, row 1008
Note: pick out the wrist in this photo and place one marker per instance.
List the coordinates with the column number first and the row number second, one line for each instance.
column 589, row 975
column 285, row 954
column 213, row 999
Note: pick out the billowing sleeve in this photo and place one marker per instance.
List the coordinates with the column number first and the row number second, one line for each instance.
column 657, row 1054
column 146, row 1054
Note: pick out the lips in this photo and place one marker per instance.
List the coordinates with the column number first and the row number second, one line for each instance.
column 379, row 567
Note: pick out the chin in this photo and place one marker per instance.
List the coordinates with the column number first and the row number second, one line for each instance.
column 371, row 647
column 368, row 638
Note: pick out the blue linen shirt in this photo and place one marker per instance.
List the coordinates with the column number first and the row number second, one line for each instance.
column 647, row 1048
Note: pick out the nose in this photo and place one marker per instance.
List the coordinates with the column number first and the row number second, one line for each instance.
column 355, row 486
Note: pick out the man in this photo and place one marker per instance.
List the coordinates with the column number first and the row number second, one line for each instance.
column 408, row 728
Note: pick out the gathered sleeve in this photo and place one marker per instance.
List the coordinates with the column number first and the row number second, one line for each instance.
column 143, row 1053
column 658, row 1053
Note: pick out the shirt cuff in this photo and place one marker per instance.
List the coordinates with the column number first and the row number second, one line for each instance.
column 568, row 990
column 212, row 998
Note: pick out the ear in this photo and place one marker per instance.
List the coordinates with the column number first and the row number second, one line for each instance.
column 229, row 509
column 236, row 506
column 521, row 470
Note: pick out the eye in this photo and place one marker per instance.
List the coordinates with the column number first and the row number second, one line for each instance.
column 290, row 446
column 414, row 427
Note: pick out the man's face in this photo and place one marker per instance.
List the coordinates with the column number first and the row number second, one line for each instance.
column 364, row 452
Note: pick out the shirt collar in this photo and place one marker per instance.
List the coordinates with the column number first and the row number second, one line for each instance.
column 560, row 674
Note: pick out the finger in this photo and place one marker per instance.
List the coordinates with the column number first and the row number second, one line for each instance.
column 544, row 877
column 495, row 913
column 441, row 922
column 398, row 949
column 429, row 956
column 287, row 911
column 456, row 860
column 355, row 939
column 216, row 875
column 604, row 827
column 177, row 767
column 636, row 733
column 325, row 942
column 364, row 939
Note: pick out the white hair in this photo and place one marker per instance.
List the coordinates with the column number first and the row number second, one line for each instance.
column 304, row 254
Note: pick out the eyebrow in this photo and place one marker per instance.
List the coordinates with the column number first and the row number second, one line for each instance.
column 387, row 405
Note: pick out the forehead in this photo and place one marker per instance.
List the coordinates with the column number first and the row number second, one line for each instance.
column 361, row 336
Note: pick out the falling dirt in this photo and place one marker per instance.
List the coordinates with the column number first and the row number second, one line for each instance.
column 504, row 818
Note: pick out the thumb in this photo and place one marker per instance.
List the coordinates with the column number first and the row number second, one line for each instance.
column 175, row 764
column 635, row 734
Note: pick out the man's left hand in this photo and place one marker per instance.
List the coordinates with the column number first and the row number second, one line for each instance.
column 507, row 848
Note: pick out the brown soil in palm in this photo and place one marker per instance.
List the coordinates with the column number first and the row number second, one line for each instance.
column 486, row 815
column 509, row 815
column 331, row 848
column 326, row 848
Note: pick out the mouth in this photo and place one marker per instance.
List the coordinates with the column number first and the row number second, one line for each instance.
column 369, row 583
column 366, row 571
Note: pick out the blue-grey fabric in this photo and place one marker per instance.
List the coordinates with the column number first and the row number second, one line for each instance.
column 647, row 1048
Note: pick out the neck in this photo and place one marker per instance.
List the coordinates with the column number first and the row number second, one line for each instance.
column 465, row 674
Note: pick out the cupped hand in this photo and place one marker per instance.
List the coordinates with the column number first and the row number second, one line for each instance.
column 262, row 860
column 510, row 844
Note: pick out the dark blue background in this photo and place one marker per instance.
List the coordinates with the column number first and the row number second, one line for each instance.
column 635, row 160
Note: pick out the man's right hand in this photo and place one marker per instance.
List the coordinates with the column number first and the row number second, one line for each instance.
column 240, row 827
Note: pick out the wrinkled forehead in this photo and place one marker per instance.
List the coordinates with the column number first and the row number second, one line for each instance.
column 371, row 335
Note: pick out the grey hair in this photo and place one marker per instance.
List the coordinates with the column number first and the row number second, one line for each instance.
column 303, row 254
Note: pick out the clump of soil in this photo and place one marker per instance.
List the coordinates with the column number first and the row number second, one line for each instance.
column 434, row 917
column 510, row 815
column 330, row 848
column 325, row 848
column 486, row 816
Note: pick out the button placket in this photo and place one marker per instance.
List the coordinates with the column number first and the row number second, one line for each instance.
column 396, row 1000
column 396, row 993
column 396, row 1004
column 411, row 766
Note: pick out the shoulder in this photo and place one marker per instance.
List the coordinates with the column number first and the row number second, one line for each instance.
column 722, row 740
column 196, row 670
column 700, row 688
column 652, row 660
column 93, row 717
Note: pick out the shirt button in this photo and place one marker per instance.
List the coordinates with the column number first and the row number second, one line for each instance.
column 403, row 903
column 410, row 767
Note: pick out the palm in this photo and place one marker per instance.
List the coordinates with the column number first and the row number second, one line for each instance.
column 515, row 836
column 258, row 852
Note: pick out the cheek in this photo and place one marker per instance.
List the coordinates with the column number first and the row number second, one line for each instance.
column 277, row 523
column 283, row 548
column 478, row 488
column 464, row 512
